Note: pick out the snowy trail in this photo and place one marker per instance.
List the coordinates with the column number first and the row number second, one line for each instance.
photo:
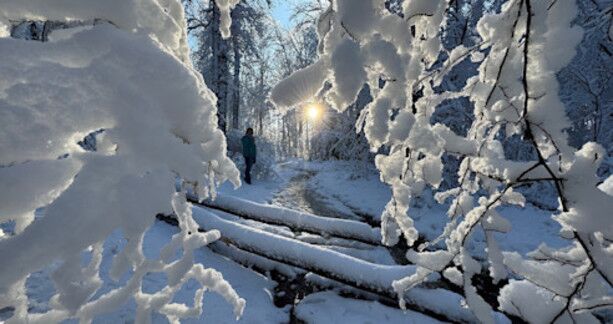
column 302, row 193
column 297, row 194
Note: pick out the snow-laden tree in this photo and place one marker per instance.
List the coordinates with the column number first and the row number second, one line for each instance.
column 221, row 59
column 250, row 24
column 124, row 69
column 212, row 53
column 586, row 83
column 514, row 93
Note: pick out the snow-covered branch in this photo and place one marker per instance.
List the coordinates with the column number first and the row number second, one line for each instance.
column 130, row 85
column 514, row 94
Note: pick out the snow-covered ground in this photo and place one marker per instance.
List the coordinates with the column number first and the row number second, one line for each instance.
column 349, row 190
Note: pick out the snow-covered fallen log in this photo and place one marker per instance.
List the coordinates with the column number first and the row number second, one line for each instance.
column 265, row 266
column 282, row 230
column 337, row 266
column 250, row 260
column 325, row 226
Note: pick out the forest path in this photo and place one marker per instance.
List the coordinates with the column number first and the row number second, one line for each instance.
column 300, row 194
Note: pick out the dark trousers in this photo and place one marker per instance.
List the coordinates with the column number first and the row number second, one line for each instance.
column 249, row 161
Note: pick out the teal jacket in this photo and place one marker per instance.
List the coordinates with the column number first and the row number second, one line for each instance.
column 248, row 146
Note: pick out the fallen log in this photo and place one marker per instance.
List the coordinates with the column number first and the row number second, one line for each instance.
column 277, row 270
column 303, row 236
column 297, row 221
column 438, row 303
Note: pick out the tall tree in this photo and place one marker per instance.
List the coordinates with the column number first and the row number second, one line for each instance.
column 236, row 37
column 211, row 55
column 250, row 25
column 221, row 60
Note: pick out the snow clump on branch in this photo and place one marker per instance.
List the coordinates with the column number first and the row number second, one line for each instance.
column 225, row 9
column 124, row 75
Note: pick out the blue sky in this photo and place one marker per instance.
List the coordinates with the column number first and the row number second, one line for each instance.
column 282, row 11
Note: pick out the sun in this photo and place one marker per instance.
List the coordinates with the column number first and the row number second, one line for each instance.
column 314, row 111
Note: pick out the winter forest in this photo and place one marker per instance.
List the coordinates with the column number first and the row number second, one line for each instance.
column 306, row 161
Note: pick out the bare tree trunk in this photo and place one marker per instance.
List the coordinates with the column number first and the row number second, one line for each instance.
column 219, row 67
column 307, row 142
column 299, row 137
column 286, row 135
column 260, row 122
column 237, row 68
column 261, row 104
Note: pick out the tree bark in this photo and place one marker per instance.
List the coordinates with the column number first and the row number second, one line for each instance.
column 237, row 68
column 262, row 104
column 219, row 68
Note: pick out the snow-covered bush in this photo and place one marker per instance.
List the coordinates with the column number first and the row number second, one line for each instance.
column 124, row 69
column 514, row 92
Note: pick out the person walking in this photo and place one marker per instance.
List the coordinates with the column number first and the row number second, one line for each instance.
column 249, row 153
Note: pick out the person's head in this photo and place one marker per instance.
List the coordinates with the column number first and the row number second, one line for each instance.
column 249, row 131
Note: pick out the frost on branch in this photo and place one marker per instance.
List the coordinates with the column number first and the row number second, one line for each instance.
column 122, row 74
column 517, row 51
